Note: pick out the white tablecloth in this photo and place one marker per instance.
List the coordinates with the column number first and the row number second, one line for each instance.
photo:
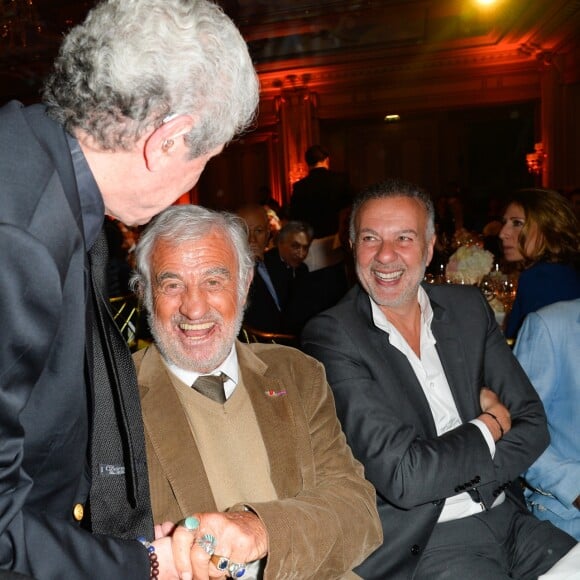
column 568, row 568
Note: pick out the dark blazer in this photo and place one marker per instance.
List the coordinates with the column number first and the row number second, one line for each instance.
column 390, row 428
column 318, row 199
column 261, row 311
column 307, row 295
column 284, row 278
column 324, row 521
column 43, row 395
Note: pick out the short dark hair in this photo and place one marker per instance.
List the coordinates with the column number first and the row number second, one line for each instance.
column 315, row 154
column 393, row 188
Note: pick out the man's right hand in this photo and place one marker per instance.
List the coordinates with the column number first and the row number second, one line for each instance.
column 164, row 551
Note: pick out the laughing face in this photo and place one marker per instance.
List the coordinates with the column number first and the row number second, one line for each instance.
column 392, row 251
column 197, row 312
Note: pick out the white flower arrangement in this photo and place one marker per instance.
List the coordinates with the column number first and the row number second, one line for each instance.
column 468, row 265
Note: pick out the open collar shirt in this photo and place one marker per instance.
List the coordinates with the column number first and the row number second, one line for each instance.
column 431, row 376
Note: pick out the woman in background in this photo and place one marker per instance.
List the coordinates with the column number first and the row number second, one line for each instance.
column 540, row 230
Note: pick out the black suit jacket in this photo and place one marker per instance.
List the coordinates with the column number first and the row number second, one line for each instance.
column 308, row 295
column 261, row 310
column 44, row 422
column 284, row 278
column 390, row 428
column 318, row 199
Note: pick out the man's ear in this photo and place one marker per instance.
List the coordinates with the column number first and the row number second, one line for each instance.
column 249, row 283
column 167, row 141
column 430, row 246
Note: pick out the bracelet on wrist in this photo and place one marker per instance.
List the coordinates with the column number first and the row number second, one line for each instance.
column 153, row 560
column 496, row 420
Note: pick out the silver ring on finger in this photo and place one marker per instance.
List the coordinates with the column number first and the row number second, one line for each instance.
column 207, row 543
column 237, row 570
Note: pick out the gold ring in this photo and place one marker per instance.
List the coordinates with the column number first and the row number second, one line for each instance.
column 220, row 562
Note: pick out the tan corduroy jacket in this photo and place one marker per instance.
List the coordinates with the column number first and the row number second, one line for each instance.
column 325, row 521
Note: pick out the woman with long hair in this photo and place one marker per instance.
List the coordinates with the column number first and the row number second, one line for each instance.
column 540, row 230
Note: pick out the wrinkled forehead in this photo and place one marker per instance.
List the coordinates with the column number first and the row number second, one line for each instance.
column 209, row 250
column 385, row 211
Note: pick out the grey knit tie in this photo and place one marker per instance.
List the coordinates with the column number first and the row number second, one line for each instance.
column 212, row 386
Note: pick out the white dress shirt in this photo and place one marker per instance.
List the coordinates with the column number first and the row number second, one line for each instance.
column 433, row 381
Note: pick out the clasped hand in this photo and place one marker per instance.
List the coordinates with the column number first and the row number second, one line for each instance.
column 239, row 536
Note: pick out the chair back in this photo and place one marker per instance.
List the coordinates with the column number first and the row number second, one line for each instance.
column 250, row 334
column 126, row 314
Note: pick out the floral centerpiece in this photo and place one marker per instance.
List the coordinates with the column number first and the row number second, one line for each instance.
column 469, row 265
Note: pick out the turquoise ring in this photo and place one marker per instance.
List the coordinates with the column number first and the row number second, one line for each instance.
column 190, row 523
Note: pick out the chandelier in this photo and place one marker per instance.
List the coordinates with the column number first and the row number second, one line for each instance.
column 535, row 160
column 18, row 18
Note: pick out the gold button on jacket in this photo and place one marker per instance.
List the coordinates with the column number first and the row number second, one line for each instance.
column 78, row 512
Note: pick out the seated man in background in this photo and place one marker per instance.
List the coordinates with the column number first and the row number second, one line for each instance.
column 434, row 404
column 257, row 463
column 548, row 348
column 263, row 310
column 302, row 293
column 285, row 262
column 289, row 274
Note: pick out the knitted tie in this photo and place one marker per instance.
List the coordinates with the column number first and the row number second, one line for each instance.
column 212, row 386
column 119, row 503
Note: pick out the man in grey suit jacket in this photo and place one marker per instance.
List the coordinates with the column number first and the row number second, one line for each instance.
column 132, row 113
column 434, row 405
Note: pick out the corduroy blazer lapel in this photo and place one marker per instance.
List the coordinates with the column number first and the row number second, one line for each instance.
column 274, row 414
column 173, row 444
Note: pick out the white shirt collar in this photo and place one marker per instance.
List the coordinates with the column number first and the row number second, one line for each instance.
column 229, row 367
column 381, row 321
